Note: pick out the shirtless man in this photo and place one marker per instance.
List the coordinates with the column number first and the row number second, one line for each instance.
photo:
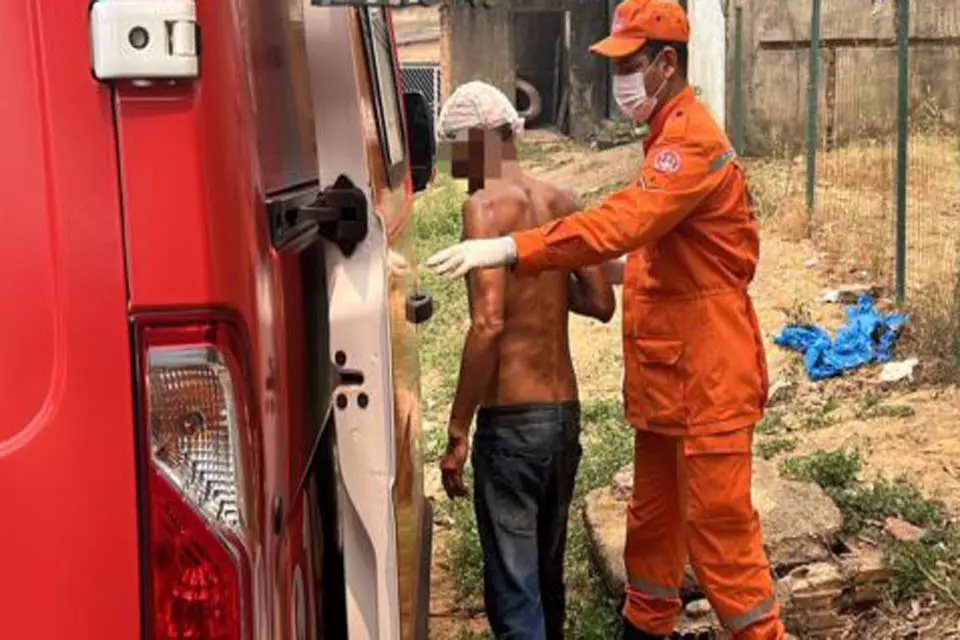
column 516, row 368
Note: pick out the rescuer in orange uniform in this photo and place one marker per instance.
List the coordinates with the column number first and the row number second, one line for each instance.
column 695, row 382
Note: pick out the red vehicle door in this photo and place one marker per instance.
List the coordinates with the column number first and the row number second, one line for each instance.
column 69, row 548
column 180, row 308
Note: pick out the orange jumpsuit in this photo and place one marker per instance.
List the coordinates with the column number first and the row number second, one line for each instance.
column 695, row 382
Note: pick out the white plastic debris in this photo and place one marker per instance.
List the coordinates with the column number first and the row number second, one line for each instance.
column 849, row 293
column 780, row 392
column 830, row 296
column 897, row 371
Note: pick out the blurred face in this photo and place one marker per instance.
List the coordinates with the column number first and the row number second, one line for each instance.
column 475, row 155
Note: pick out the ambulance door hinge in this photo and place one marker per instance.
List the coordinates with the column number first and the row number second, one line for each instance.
column 144, row 41
column 340, row 213
column 337, row 214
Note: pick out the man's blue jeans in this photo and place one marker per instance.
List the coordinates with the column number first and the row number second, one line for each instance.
column 525, row 462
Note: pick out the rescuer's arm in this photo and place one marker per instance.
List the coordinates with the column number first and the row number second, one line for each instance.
column 480, row 357
column 676, row 178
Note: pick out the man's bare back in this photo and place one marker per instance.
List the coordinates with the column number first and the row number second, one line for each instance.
column 515, row 355
column 534, row 363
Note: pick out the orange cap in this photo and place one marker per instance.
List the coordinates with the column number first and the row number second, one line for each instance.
column 637, row 21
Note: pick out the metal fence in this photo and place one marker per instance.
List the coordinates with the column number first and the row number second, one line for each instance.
column 868, row 93
column 424, row 78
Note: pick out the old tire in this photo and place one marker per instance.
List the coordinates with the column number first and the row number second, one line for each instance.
column 532, row 97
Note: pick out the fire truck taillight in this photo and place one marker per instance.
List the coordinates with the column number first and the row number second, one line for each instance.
column 195, row 550
column 195, row 583
column 193, row 428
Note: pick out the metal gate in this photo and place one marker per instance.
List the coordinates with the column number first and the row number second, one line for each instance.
column 424, row 78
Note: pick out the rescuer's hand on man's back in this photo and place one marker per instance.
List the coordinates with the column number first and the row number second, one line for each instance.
column 458, row 260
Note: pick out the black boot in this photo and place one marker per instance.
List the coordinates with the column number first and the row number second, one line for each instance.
column 632, row 633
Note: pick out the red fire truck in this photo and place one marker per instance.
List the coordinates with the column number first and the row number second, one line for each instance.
column 208, row 351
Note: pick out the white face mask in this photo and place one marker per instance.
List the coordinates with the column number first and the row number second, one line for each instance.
column 630, row 92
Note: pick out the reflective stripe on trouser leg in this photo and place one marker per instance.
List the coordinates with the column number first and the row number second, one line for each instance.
column 724, row 536
column 655, row 553
column 653, row 590
column 751, row 617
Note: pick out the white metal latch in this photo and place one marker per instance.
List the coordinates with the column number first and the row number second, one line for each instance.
column 144, row 39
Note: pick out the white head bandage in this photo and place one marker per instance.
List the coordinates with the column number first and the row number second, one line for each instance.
column 476, row 105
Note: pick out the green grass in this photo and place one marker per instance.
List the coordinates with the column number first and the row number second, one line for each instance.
column 832, row 470
column 591, row 611
column 464, row 554
column 438, row 221
column 607, row 443
column 772, row 424
column 543, row 156
column 606, row 439
column 434, row 445
column 931, row 564
column 607, row 447
column 775, row 432
column 935, row 332
column 871, row 405
column 767, row 447
column 821, row 416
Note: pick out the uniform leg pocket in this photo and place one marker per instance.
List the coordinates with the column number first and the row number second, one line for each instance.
column 659, row 377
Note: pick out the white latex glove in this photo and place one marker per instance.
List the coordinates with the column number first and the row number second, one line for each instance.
column 456, row 261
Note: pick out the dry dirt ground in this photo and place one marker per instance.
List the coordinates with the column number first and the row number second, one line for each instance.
column 447, row 619
column 925, row 446
column 793, row 272
column 418, row 34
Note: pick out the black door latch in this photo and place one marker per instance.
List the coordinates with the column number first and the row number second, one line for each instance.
column 419, row 307
column 337, row 214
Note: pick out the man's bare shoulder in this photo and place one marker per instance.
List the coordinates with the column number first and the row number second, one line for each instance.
column 561, row 201
column 497, row 207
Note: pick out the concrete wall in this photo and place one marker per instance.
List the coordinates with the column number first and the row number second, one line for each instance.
column 478, row 44
column 858, row 68
column 540, row 56
column 589, row 74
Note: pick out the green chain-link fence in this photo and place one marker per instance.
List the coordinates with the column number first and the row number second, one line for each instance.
column 860, row 101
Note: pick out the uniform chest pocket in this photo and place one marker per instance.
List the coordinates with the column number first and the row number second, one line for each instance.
column 659, row 373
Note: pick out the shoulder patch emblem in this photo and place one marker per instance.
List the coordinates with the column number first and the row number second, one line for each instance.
column 667, row 161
